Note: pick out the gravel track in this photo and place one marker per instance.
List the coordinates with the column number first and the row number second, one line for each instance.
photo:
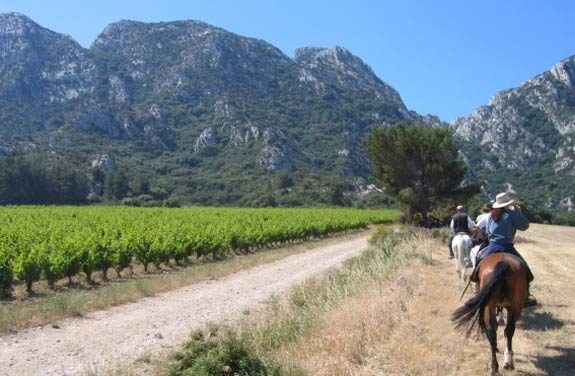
column 106, row 340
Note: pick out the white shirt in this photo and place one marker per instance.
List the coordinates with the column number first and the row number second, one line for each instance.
column 483, row 220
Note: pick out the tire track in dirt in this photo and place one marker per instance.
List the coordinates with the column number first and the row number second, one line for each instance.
column 106, row 340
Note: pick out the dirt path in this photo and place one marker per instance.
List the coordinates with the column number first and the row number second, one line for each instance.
column 105, row 340
column 425, row 343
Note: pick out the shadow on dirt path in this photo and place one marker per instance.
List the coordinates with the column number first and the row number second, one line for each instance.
column 561, row 363
column 539, row 319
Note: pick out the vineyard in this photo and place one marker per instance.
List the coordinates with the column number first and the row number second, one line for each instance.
column 52, row 243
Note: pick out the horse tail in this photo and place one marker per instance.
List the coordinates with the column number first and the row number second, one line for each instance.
column 469, row 315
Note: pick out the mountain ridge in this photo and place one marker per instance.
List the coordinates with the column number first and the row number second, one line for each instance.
column 527, row 133
column 206, row 114
column 212, row 117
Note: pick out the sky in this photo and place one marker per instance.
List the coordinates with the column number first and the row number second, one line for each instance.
column 444, row 57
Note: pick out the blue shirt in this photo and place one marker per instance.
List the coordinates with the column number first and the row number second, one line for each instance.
column 503, row 232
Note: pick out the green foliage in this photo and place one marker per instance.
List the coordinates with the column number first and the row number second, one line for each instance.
column 34, row 180
column 116, row 185
column 215, row 356
column 139, row 185
column 418, row 165
column 27, row 268
column 6, row 276
column 379, row 235
column 57, row 242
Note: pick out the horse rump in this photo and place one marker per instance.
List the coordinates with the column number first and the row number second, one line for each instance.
column 469, row 315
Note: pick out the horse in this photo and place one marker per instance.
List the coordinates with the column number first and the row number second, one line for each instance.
column 502, row 284
column 461, row 246
column 478, row 236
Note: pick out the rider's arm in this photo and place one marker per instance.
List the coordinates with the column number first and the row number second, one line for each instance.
column 519, row 221
column 452, row 226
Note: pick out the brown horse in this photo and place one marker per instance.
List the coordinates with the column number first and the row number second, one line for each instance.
column 502, row 284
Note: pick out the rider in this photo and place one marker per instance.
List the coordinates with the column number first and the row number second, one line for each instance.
column 504, row 221
column 483, row 219
column 460, row 223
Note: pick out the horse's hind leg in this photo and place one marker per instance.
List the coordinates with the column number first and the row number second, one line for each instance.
column 489, row 318
column 509, row 331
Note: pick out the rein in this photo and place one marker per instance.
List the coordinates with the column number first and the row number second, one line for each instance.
column 465, row 289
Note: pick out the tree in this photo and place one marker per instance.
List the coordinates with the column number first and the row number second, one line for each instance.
column 116, row 185
column 337, row 197
column 140, row 185
column 419, row 166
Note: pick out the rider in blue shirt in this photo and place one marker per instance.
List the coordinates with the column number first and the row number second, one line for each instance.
column 502, row 232
column 505, row 220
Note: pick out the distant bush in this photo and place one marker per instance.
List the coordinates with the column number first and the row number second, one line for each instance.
column 564, row 219
column 141, row 201
column 171, row 203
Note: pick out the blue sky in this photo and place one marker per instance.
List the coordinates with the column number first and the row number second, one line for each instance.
column 444, row 57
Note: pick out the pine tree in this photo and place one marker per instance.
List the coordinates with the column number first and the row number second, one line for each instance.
column 419, row 166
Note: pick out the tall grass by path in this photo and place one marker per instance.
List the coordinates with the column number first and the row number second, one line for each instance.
column 292, row 336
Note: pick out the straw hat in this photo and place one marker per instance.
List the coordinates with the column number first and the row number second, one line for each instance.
column 502, row 200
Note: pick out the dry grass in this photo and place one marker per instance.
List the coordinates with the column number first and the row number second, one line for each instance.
column 342, row 340
column 388, row 313
column 50, row 306
column 407, row 331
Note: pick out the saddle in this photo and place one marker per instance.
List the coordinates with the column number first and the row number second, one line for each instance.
column 480, row 257
column 481, row 252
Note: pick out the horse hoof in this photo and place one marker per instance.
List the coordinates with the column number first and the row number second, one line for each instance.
column 509, row 367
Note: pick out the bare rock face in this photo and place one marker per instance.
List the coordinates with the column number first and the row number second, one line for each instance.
column 207, row 138
column 527, row 130
column 338, row 66
column 168, row 55
column 242, row 134
column 278, row 151
column 564, row 71
column 41, row 65
column 525, row 124
column 104, row 163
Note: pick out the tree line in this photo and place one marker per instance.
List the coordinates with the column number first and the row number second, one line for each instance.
column 40, row 181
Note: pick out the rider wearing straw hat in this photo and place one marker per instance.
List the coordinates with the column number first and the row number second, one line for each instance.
column 505, row 220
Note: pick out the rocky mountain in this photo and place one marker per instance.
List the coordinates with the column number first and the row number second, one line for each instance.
column 209, row 116
column 524, row 138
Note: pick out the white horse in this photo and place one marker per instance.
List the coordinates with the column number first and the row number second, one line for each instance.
column 461, row 246
column 473, row 254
